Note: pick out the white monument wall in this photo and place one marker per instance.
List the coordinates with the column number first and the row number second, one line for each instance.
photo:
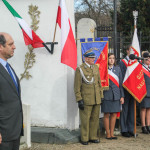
column 50, row 90
column 84, row 28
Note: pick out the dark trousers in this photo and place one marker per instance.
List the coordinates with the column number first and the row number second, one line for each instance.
column 127, row 114
column 11, row 145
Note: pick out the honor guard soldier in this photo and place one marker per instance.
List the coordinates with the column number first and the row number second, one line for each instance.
column 88, row 92
column 145, row 104
column 127, row 114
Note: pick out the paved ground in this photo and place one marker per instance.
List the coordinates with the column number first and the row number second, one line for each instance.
column 141, row 142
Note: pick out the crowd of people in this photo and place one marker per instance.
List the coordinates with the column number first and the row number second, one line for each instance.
column 90, row 95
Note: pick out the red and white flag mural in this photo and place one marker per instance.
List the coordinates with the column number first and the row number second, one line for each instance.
column 134, row 81
column 68, row 45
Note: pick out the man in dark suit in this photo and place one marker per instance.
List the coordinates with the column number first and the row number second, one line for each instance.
column 11, row 116
column 127, row 114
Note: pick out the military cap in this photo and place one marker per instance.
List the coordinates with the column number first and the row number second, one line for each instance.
column 89, row 54
column 146, row 55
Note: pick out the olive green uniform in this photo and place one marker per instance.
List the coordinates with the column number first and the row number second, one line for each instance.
column 91, row 93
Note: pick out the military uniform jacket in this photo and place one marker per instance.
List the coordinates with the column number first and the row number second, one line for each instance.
column 147, row 80
column 11, row 115
column 92, row 93
column 115, row 92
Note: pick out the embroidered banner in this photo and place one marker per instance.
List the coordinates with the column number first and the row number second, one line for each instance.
column 100, row 48
column 134, row 81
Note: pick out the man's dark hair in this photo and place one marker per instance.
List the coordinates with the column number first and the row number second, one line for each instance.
column 2, row 40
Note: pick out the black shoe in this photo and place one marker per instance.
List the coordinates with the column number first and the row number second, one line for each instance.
column 84, row 143
column 94, row 141
column 125, row 134
column 114, row 138
column 109, row 138
column 144, row 130
column 148, row 128
column 131, row 134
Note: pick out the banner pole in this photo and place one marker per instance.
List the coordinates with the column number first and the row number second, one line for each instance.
column 135, row 118
column 55, row 32
column 135, row 15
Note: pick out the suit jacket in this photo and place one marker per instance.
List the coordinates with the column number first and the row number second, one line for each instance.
column 115, row 92
column 91, row 94
column 11, row 115
column 123, row 68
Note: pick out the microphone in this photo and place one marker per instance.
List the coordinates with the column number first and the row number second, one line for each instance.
column 132, row 57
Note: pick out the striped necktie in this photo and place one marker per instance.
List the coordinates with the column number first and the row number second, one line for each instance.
column 10, row 73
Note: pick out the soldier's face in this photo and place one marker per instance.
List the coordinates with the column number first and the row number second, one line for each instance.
column 111, row 60
column 89, row 60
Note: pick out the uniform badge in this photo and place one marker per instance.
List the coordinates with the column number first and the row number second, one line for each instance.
column 88, row 77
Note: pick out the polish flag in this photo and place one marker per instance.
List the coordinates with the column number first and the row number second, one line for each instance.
column 134, row 81
column 68, row 45
column 29, row 35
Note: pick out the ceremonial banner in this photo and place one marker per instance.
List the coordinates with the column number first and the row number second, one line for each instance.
column 68, row 45
column 134, row 81
column 100, row 48
column 29, row 35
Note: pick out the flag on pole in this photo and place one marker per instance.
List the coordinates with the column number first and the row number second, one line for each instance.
column 29, row 35
column 134, row 81
column 68, row 45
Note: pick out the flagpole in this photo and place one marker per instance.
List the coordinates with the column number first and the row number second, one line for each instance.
column 55, row 32
column 135, row 15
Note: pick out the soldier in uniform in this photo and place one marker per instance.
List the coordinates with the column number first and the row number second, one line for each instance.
column 127, row 114
column 88, row 92
column 145, row 104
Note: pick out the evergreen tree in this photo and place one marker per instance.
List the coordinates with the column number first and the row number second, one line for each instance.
column 125, row 21
column 125, row 16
